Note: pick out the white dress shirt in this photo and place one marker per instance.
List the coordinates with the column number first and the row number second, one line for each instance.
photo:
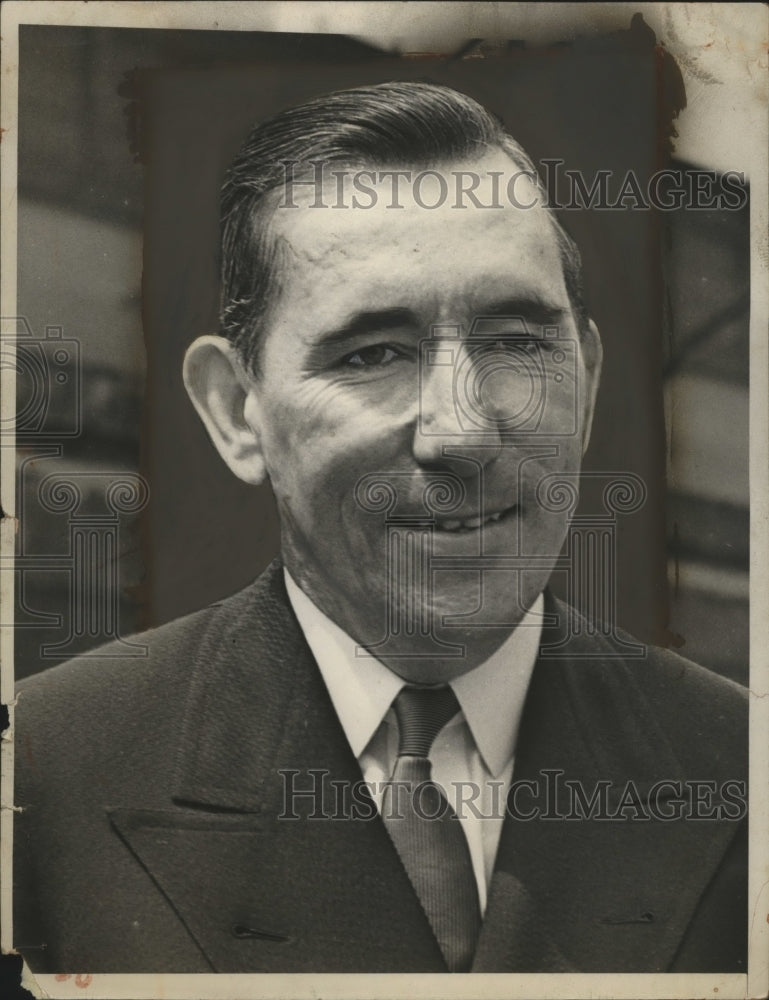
column 473, row 751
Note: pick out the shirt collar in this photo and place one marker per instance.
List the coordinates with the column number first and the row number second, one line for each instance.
column 362, row 688
column 492, row 695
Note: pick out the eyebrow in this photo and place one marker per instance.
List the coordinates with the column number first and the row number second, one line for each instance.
column 371, row 321
column 530, row 307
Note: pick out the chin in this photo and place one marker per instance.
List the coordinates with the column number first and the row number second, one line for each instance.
column 476, row 598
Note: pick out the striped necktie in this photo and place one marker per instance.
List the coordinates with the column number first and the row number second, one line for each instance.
column 425, row 829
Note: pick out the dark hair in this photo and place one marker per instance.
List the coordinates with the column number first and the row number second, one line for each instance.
column 392, row 124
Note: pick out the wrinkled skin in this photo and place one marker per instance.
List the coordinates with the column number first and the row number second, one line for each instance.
column 341, row 396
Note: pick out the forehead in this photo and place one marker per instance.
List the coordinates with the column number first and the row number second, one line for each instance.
column 373, row 232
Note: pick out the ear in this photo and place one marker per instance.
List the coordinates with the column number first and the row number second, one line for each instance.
column 226, row 398
column 592, row 359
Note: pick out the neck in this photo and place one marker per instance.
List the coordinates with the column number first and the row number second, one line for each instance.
column 437, row 657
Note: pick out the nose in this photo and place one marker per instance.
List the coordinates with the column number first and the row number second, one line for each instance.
column 454, row 429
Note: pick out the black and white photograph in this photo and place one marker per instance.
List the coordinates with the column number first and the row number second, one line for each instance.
column 385, row 500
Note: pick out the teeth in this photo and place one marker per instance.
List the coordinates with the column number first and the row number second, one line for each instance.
column 469, row 523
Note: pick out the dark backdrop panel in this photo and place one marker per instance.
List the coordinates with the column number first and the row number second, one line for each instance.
column 595, row 105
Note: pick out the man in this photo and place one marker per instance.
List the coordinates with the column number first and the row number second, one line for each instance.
column 396, row 751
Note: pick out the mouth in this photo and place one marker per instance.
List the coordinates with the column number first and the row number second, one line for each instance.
column 474, row 523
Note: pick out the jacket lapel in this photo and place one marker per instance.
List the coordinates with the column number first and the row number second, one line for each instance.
column 259, row 890
column 592, row 894
column 261, row 880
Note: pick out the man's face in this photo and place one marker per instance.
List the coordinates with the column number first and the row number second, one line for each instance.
column 381, row 402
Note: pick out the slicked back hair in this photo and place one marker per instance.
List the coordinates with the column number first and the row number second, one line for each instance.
column 393, row 125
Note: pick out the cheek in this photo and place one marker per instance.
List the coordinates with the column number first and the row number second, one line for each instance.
column 316, row 458
column 311, row 426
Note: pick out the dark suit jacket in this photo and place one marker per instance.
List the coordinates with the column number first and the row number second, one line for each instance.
column 149, row 841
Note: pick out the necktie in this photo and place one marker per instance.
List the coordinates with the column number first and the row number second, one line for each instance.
column 425, row 829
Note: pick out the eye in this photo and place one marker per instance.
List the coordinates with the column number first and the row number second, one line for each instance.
column 374, row 356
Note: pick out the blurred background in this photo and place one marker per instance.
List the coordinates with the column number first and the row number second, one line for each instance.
column 123, row 138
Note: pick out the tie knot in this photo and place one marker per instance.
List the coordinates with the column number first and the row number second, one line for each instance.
column 421, row 714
